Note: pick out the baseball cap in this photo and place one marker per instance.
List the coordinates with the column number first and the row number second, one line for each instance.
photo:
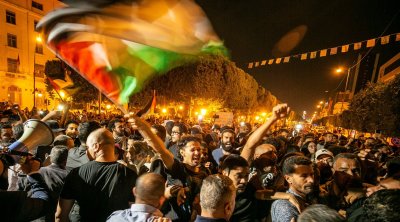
column 323, row 152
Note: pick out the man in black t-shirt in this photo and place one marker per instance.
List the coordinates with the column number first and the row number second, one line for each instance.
column 101, row 186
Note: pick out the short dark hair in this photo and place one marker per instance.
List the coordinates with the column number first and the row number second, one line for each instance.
column 320, row 212
column 161, row 131
column 232, row 161
column 290, row 164
column 393, row 166
column 69, row 122
column 182, row 128
column 351, row 156
column 186, row 139
column 111, row 124
column 274, row 142
column 382, row 206
column 168, row 126
column 59, row 154
column 84, row 129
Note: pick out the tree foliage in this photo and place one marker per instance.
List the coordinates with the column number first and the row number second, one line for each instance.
column 377, row 107
column 211, row 77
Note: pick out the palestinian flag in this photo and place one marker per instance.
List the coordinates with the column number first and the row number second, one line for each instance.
column 120, row 45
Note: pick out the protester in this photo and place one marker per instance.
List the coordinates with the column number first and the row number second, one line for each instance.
column 149, row 197
column 217, row 199
column 100, row 186
column 266, row 178
column 320, row 212
column 299, row 174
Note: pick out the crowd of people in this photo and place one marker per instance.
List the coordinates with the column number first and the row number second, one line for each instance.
column 127, row 168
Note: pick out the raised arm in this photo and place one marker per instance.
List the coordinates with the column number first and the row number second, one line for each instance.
column 155, row 142
column 279, row 111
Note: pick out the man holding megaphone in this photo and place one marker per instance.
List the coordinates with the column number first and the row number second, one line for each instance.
column 16, row 205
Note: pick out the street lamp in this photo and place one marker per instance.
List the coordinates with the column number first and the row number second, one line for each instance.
column 340, row 70
column 38, row 40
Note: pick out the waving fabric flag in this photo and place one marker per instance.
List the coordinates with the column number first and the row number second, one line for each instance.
column 120, row 45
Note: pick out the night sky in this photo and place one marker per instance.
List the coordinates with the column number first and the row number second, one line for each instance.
column 251, row 29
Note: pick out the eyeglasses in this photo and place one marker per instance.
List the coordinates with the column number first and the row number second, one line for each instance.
column 175, row 132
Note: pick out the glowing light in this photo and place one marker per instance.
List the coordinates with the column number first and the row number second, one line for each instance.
column 181, row 107
column 298, row 127
column 39, row 39
column 321, row 102
column 130, row 113
column 62, row 94
column 41, row 112
column 339, row 70
column 257, row 117
column 108, row 106
column 242, row 123
column 319, row 106
column 203, row 111
column 263, row 114
column 60, row 107
column 196, row 113
column 40, row 95
column 200, row 117
column 164, row 110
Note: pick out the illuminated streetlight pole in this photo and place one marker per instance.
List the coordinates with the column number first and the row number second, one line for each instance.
column 340, row 70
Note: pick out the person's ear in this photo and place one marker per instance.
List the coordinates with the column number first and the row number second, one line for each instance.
column 289, row 179
column 228, row 209
column 134, row 191
column 181, row 151
column 96, row 147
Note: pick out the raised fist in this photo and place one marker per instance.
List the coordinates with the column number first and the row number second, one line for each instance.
column 280, row 111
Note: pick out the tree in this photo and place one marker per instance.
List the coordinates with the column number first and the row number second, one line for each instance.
column 377, row 107
column 210, row 77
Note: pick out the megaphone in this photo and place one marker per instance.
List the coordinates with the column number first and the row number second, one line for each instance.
column 36, row 133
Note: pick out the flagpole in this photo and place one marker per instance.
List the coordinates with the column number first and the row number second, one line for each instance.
column 99, row 102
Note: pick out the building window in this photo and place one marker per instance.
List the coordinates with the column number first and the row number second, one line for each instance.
column 14, row 95
column 39, row 49
column 11, row 40
column 39, row 70
column 10, row 17
column 12, row 65
column 34, row 25
column 37, row 5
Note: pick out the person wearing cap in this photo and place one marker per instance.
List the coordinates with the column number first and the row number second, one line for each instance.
column 325, row 156
column 226, row 144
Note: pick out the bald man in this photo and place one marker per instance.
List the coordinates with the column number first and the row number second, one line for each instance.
column 149, row 196
column 100, row 186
